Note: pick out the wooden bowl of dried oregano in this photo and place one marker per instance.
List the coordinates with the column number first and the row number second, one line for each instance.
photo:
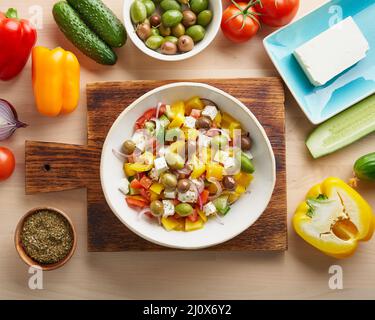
column 45, row 237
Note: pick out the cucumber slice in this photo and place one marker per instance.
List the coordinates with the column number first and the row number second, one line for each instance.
column 343, row 129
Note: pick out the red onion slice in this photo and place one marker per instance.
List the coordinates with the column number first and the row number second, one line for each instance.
column 218, row 187
column 9, row 122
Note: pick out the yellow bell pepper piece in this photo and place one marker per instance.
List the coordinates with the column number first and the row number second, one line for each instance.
column 233, row 197
column 157, row 188
column 178, row 108
column 198, row 168
column 214, row 170
column 180, row 225
column 154, row 196
column 178, row 121
column 193, row 103
column 240, row 189
column 169, row 223
column 129, row 172
column 227, row 120
column 218, row 119
column 138, row 167
column 56, row 81
column 334, row 218
column 190, row 134
column 202, row 215
column 243, row 179
column 191, row 226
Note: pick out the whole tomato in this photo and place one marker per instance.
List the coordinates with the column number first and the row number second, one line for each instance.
column 277, row 13
column 239, row 22
column 7, row 163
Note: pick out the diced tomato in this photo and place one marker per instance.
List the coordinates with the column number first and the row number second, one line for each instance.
column 135, row 184
column 176, row 202
column 145, row 182
column 204, row 196
column 177, row 216
column 194, row 216
column 151, row 113
column 146, row 195
column 135, row 202
column 162, row 110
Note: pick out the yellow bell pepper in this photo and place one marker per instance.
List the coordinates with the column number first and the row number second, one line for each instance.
column 129, row 172
column 177, row 108
column 192, row 226
column 199, row 168
column 218, row 119
column 157, row 187
column 56, row 81
column 178, row 121
column 214, row 170
column 170, row 223
column 229, row 123
column 138, row 167
column 202, row 215
column 334, row 218
column 193, row 103
column 243, row 179
column 154, row 196
column 240, row 189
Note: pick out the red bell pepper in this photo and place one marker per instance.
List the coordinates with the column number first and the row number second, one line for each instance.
column 136, row 202
column 17, row 38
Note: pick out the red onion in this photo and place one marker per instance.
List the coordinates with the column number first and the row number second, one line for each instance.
column 121, row 156
column 158, row 110
column 218, row 187
column 212, row 131
column 8, row 120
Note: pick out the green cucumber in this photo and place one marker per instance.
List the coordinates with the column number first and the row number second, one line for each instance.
column 81, row 36
column 364, row 167
column 101, row 20
column 343, row 129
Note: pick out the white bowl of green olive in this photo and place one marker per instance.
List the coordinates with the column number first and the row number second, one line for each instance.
column 172, row 30
column 244, row 212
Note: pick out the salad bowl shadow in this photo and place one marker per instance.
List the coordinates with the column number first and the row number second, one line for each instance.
column 243, row 213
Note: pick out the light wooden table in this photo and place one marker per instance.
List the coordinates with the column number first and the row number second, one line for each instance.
column 301, row 272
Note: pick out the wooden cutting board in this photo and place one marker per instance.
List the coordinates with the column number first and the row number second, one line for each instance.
column 56, row 167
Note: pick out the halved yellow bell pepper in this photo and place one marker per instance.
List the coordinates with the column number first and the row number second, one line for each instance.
column 56, row 81
column 334, row 218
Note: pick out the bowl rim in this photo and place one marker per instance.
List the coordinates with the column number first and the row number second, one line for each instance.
column 21, row 251
column 132, row 106
column 159, row 56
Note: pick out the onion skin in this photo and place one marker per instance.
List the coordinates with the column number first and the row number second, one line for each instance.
column 9, row 113
column 364, row 167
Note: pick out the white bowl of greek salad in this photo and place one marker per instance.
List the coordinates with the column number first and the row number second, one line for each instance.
column 187, row 166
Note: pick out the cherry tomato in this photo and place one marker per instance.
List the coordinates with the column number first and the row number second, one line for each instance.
column 239, row 22
column 7, row 163
column 277, row 13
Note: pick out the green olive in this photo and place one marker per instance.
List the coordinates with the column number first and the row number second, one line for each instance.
column 198, row 6
column 170, row 5
column 184, row 209
column 204, row 18
column 164, row 31
column 183, row 185
column 150, row 7
column 196, row 32
column 154, row 32
column 157, row 208
column 174, row 161
column 246, row 164
column 154, row 42
column 150, row 126
column 171, row 18
column 219, row 141
column 128, row 147
column 138, row 11
column 189, row 18
column 170, row 39
column 178, row 30
column 169, row 181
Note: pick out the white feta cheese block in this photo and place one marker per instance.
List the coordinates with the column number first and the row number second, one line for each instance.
column 229, row 163
column 204, row 141
column 209, row 209
column 210, row 111
column 221, row 156
column 332, row 52
column 168, row 208
column 124, row 186
column 170, row 194
column 189, row 196
column 190, row 122
column 160, row 165
column 140, row 140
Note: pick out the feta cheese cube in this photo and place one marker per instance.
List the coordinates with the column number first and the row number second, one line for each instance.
column 209, row 209
column 221, row 156
column 210, row 111
column 124, row 186
column 170, row 194
column 190, row 122
column 189, row 196
column 140, row 140
column 160, row 165
column 154, row 174
column 204, row 141
column 332, row 52
column 229, row 163
column 162, row 151
column 168, row 208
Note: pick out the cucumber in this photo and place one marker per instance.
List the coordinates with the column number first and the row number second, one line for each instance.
column 81, row 36
column 343, row 129
column 364, row 167
column 101, row 20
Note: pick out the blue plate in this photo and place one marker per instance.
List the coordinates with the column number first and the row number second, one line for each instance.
column 349, row 87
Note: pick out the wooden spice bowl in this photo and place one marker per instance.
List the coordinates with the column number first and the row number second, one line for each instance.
column 21, row 251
